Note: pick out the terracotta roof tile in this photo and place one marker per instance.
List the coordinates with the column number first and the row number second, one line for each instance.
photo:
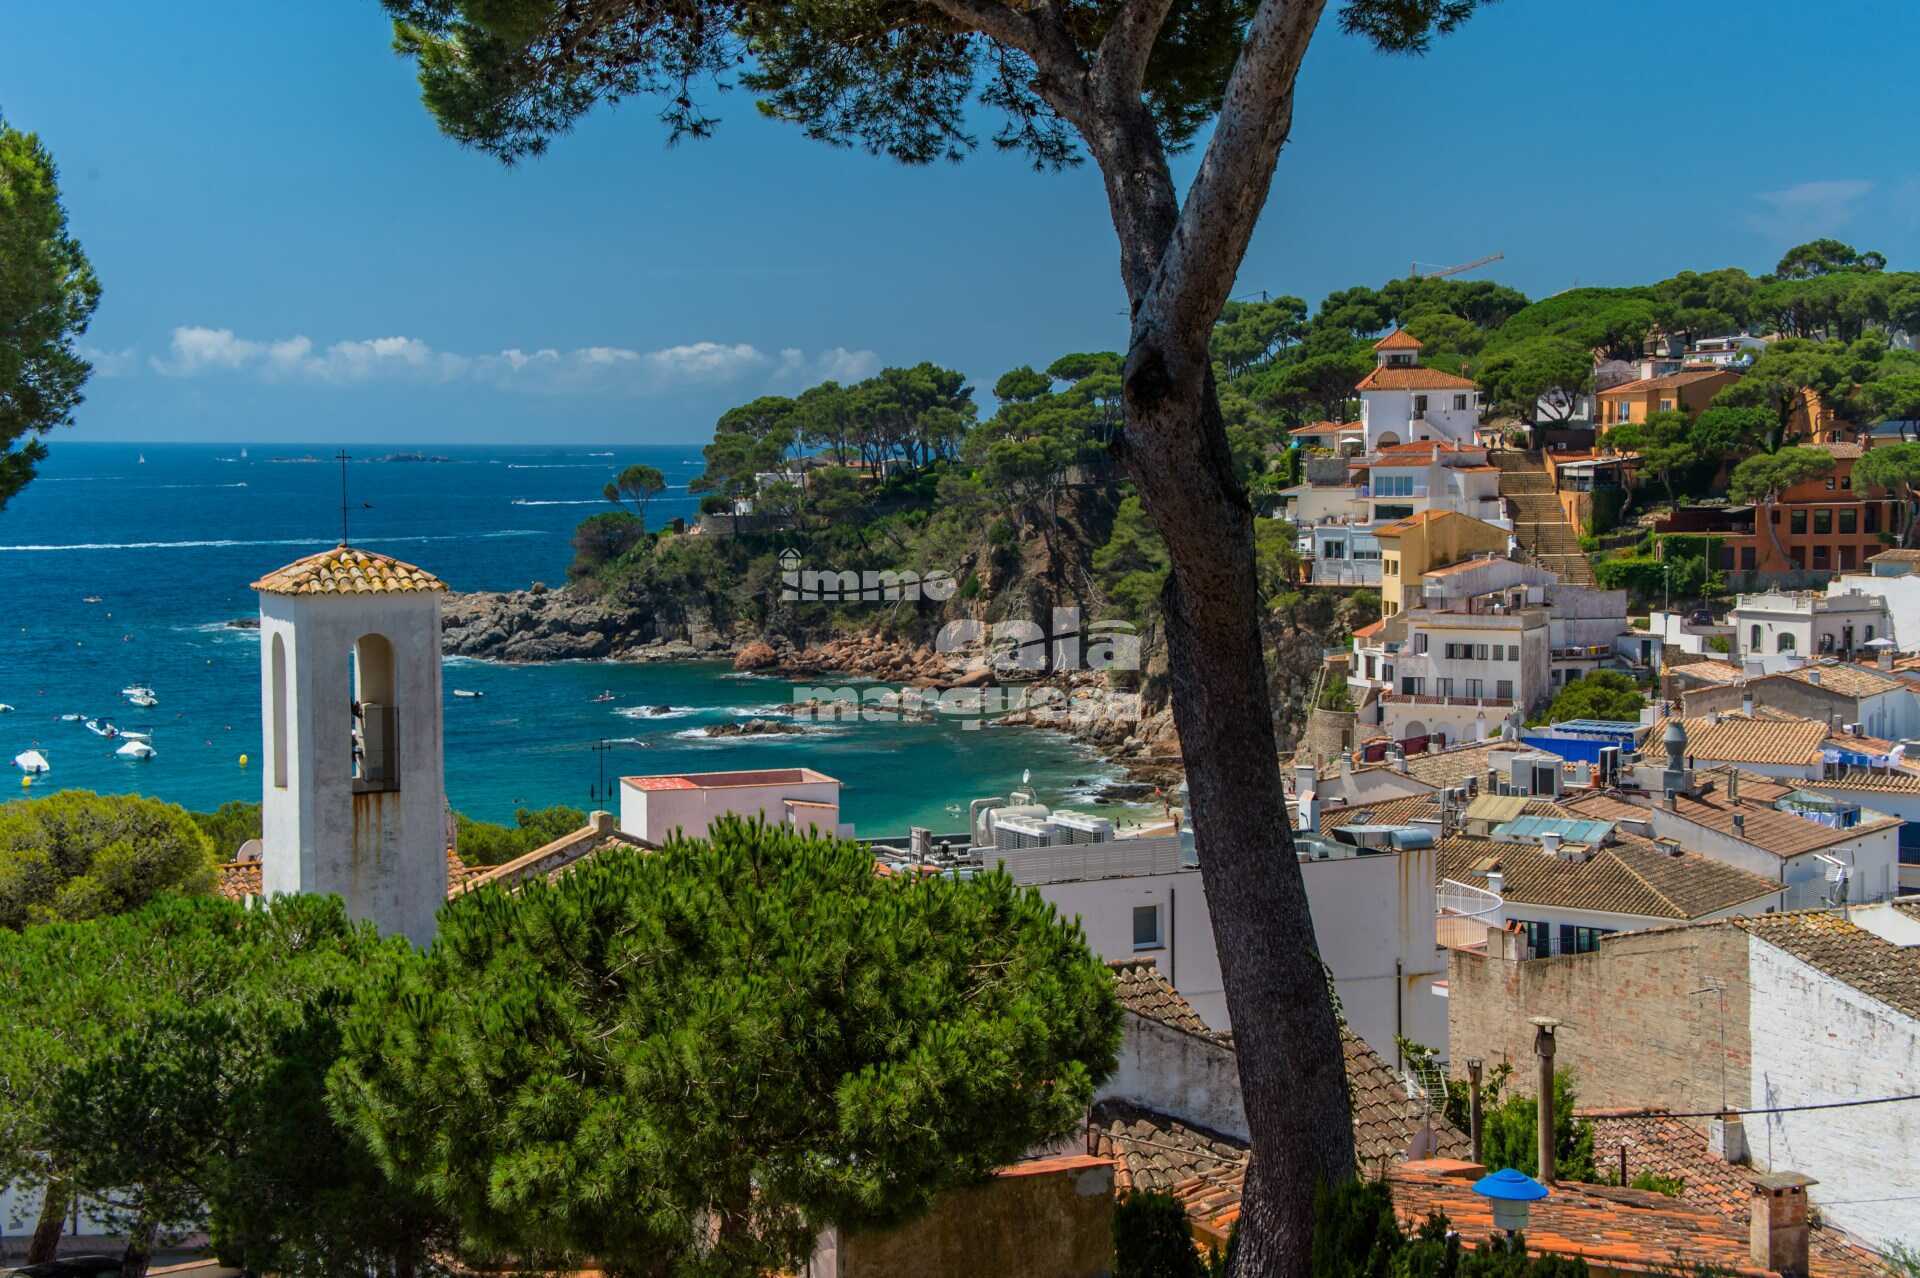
column 1458, row 765
column 1736, row 739
column 1830, row 942
column 1324, row 427
column 1418, row 807
column 349, row 570
column 1144, row 992
column 242, row 879
column 1630, row 876
column 1869, row 780
column 1897, row 555
column 1398, row 340
column 1718, row 672
column 1684, row 378
column 1389, row 378
column 1844, row 678
column 1765, row 827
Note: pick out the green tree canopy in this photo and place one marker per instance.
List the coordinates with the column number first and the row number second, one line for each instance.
column 603, row 538
column 79, row 855
column 487, row 843
column 1896, row 468
column 1664, row 441
column 1824, row 257
column 638, row 484
column 1601, row 694
column 1765, row 475
column 1515, row 378
column 754, row 1031
column 48, row 293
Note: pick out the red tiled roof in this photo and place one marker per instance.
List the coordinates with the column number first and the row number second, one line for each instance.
column 1368, row 632
column 1418, row 448
column 1388, row 378
column 660, row 783
column 1398, row 340
column 242, row 879
column 1324, row 427
column 1684, row 378
column 1465, row 565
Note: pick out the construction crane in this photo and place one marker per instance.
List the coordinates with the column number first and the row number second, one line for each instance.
column 1416, row 273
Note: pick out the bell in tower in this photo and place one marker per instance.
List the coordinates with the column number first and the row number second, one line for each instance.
column 353, row 790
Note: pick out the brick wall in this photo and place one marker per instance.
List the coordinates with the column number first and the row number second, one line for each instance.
column 1633, row 1031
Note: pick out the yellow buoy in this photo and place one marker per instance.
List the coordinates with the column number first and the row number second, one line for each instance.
column 243, row 760
column 25, row 782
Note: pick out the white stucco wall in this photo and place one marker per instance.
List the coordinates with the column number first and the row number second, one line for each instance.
column 653, row 815
column 1817, row 1039
column 1185, row 956
column 1901, row 596
column 1170, row 1072
column 1875, row 858
column 384, row 852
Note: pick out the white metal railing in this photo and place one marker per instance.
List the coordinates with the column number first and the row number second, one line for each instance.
column 1463, row 914
column 1346, row 572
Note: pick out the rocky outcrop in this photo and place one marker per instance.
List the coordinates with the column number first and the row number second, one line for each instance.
column 757, row 655
column 563, row 625
column 753, row 728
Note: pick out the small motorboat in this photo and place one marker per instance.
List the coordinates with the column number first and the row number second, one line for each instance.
column 136, row 690
column 605, row 696
column 135, row 750
column 91, row 599
column 5, row 708
column 71, row 718
column 144, row 699
column 131, row 735
column 31, row 762
column 464, row 692
column 101, row 728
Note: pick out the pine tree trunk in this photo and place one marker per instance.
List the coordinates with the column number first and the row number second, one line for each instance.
column 53, row 1222
column 139, row 1252
column 1291, row 1064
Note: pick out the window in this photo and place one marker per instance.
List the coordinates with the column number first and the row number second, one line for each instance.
column 1848, row 518
column 1459, row 403
column 1479, row 652
column 1513, row 652
column 1382, row 512
column 1575, row 939
column 1797, row 556
column 1846, row 558
column 1419, row 405
column 1412, row 685
column 1370, row 668
column 1846, row 483
column 1823, row 523
column 1798, row 525
column 1443, row 686
column 1666, row 406
column 1820, row 557
column 1870, row 519
column 1335, row 550
column 1393, row 485
column 1753, row 642
column 1420, row 641
column 1869, row 638
column 1476, row 689
column 1539, row 937
column 1146, row 927
column 280, row 711
column 1746, row 558
column 1390, row 566
column 1829, row 483
column 1503, row 689
column 1363, row 552
column 1784, row 644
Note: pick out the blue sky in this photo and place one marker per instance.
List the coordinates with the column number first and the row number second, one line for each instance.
column 291, row 251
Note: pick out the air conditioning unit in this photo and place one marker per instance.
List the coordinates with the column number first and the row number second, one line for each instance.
column 1010, row 833
column 1077, row 827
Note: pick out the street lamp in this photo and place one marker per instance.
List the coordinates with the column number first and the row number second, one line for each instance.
column 1510, row 1191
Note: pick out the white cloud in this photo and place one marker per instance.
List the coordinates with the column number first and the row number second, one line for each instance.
column 198, row 351
column 108, row 363
column 1807, row 210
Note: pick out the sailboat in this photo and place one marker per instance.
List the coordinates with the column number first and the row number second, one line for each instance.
column 243, row 454
column 143, row 459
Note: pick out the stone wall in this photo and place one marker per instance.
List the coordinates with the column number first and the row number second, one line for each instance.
column 1047, row 1219
column 1790, row 696
column 1329, row 733
column 1633, row 1031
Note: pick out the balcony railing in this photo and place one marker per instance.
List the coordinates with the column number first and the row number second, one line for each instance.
column 1346, row 572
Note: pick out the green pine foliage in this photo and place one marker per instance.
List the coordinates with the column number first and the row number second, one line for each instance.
column 1602, row 694
column 489, row 843
column 79, row 855
column 1151, row 1239
column 753, row 1032
column 1357, row 1235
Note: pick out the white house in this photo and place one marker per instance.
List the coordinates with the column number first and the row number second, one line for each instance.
column 1806, row 623
column 1337, row 524
column 1891, row 576
column 653, row 808
column 1403, row 403
column 353, row 791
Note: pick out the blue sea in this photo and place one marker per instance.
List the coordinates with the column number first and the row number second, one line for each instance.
column 168, row 536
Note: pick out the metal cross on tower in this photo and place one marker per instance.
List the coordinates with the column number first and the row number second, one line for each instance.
column 343, row 459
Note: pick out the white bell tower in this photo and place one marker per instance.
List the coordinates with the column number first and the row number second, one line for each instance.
column 353, row 792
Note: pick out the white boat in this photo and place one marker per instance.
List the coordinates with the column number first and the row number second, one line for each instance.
column 130, row 735
column 135, row 750
column 5, row 708
column 101, row 728
column 144, row 699
column 136, row 690
column 143, row 459
column 462, row 692
column 72, row 718
column 31, row 761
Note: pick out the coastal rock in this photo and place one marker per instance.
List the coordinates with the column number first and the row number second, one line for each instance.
column 244, row 623
column 757, row 655
column 753, row 728
column 553, row 625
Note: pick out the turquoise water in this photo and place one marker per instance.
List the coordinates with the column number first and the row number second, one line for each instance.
column 169, row 545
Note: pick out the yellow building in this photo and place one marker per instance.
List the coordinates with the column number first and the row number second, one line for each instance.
column 1411, row 548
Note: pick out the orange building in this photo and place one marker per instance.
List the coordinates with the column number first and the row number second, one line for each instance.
column 1687, row 391
column 1821, row 525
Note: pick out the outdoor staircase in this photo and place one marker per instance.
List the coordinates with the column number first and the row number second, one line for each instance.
column 1539, row 523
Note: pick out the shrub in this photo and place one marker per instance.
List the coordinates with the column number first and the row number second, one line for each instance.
column 81, row 855
column 1151, row 1239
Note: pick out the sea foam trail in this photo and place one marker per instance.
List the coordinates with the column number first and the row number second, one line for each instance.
column 275, row 541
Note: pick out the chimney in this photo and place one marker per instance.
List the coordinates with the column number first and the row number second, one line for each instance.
column 1746, row 702
column 603, row 822
column 1727, row 1138
column 1305, row 778
column 920, row 843
column 1550, row 843
column 1739, row 825
column 1886, row 659
column 1779, row 1224
column 1733, row 785
column 1813, row 677
column 1496, row 880
column 1543, row 1027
